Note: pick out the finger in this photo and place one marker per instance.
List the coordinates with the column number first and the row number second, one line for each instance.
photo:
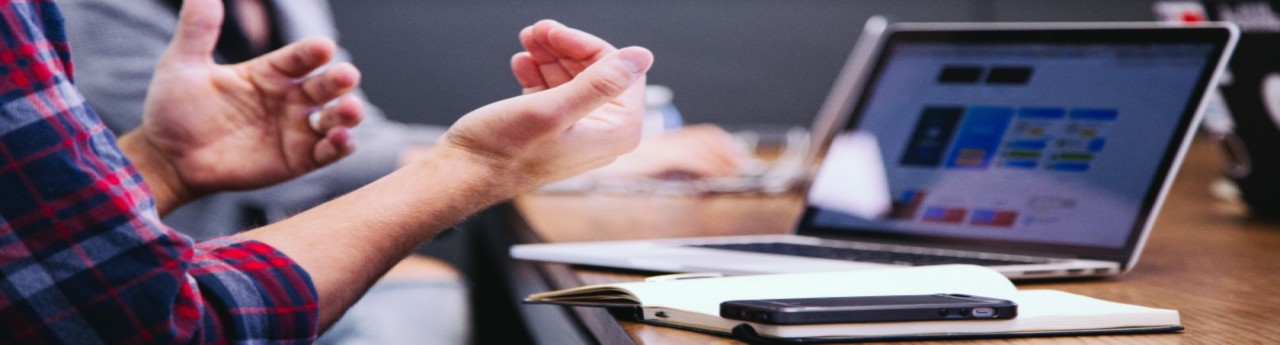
column 561, row 51
column 694, row 156
column 602, row 82
column 697, row 164
column 296, row 60
column 337, row 143
column 548, row 60
column 720, row 164
column 554, row 74
column 199, row 23
column 689, row 167
column 718, row 144
column 574, row 49
column 577, row 49
column 717, row 162
column 533, row 44
column 331, row 84
column 347, row 112
column 527, row 74
column 535, row 50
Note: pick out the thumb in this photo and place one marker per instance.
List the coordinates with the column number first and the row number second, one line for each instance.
column 199, row 24
column 604, row 81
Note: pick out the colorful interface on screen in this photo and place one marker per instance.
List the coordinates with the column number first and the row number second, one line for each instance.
column 1029, row 143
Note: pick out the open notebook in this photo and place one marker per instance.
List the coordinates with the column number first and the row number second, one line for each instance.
column 695, row 304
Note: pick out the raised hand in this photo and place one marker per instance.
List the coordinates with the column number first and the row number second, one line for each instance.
column 583, row 105
column 554, row 54
column 208, row 127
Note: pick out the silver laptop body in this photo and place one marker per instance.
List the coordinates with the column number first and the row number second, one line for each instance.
column 1039, row 150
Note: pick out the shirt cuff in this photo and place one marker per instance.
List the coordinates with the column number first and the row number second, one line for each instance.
column 254, row 293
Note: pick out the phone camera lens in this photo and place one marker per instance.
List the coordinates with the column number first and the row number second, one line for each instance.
column 964, row 312
column 944, row 313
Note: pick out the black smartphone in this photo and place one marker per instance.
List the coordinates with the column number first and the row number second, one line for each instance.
column 869, row 309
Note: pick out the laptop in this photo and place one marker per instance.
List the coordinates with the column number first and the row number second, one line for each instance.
column 1039, row 150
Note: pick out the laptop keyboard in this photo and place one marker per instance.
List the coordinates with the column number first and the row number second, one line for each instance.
column 862, row 255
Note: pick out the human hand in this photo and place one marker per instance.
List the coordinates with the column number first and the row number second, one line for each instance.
column 208, row 127
column 700, row 151
column 582, row 107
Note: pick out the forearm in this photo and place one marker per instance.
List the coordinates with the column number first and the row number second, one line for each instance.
column 348, row 243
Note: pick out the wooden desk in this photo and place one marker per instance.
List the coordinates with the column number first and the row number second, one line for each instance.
column 1221, row 271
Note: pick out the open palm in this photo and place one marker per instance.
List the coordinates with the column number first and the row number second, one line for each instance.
column 246, row 125
column 582, row 106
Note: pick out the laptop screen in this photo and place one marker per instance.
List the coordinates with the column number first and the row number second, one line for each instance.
column 1019, row 140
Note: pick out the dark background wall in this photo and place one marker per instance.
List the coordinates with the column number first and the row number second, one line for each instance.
column 729, row 61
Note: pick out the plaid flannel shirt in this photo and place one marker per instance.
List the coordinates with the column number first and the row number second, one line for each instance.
column 84, row 256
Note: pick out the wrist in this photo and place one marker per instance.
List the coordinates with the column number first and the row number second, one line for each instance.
column 489, row 179
column 413, row 154
column 157, row 172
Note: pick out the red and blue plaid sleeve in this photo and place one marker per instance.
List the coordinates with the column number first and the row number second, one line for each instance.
column 83, row 254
